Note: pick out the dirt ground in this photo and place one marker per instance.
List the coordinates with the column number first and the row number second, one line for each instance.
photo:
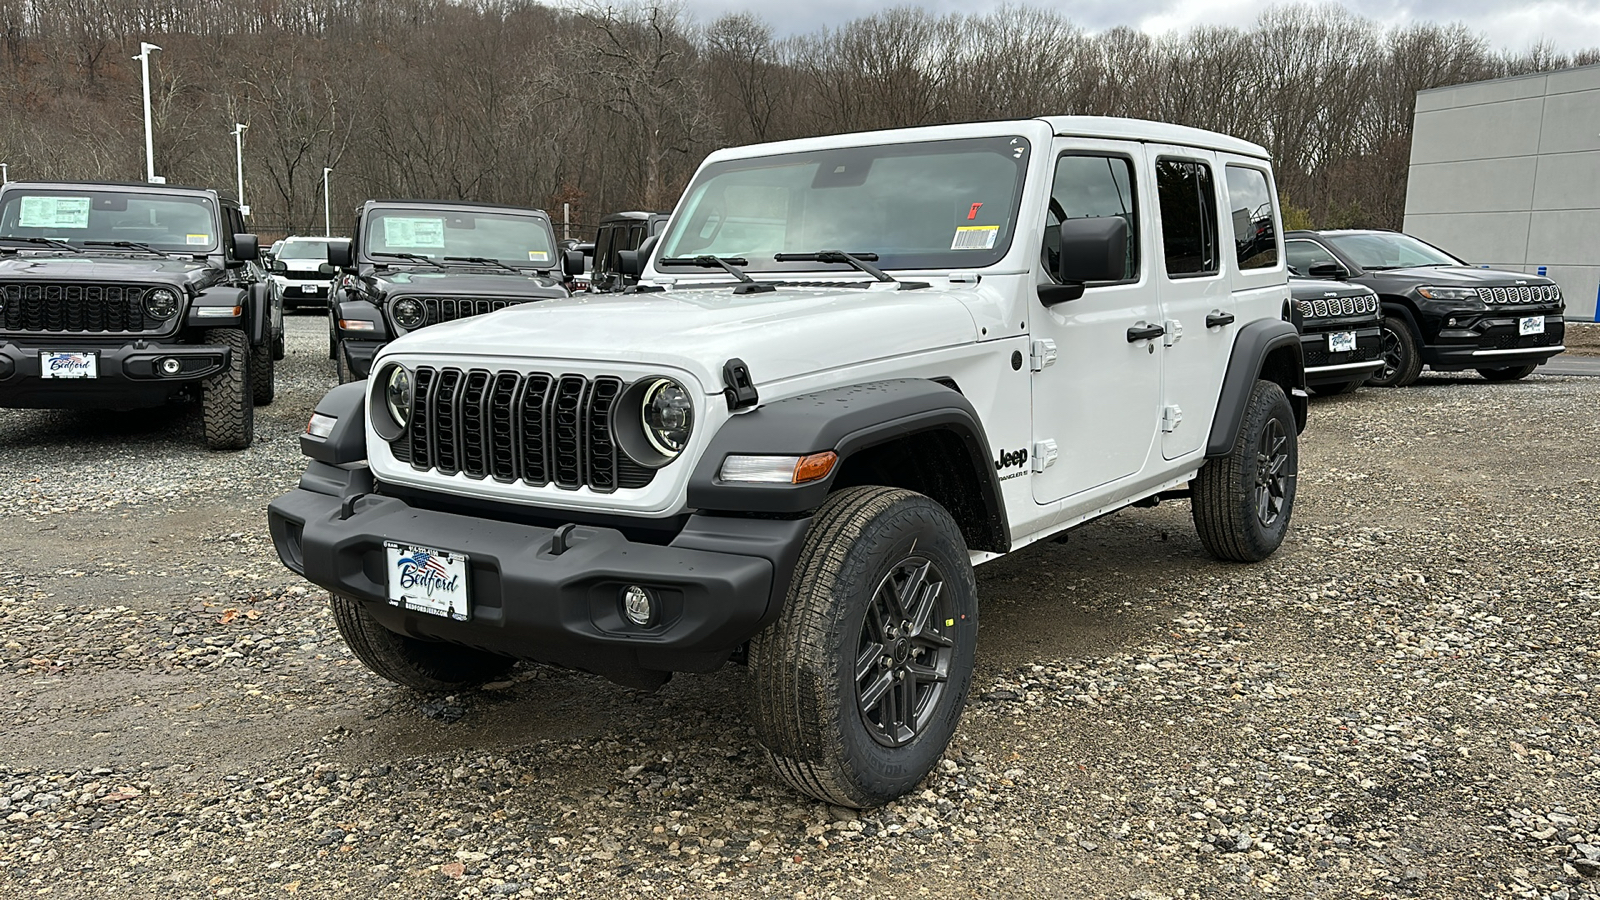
column 1583, row 338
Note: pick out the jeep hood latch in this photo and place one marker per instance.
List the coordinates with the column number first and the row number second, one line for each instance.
column 737, row 385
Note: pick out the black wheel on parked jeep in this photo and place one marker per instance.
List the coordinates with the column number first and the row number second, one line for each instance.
column 227, row 398
column 1401, row 361
column 407, row 661
column 262, row 364
column 1515, row 373
column 342, row 364
column 1242, row 501
column 858, row 685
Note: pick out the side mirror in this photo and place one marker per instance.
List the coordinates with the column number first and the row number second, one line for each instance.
column 1329, row 270
column 279, row 267
column 339, row 255
column 326, row 269
column 572, row 262
column 630, row 263
column 1091, row 250
column 246, row 247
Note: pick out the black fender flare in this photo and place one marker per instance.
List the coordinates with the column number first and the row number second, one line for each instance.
column 356, row 307
column 347, row 442
column 845, row 420
column 1251, row 347
column 258, row 314
column 1388, row 305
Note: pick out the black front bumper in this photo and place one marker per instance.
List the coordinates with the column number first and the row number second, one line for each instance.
column 126, row 376
column 1326, row 368
column 1496, row 342
column 296, row 295
column 718, row 581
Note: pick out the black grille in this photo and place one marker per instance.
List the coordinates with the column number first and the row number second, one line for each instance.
column 77, row 309
column 448, row 309
column 312, row 275
column 538, row 429
column 1518, row 342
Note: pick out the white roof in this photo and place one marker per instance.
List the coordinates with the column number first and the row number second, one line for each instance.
column 1113, row 128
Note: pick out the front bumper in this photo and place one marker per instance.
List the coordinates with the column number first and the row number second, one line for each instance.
column 126, row 376
column 1324, row 367
column 718, row 581
column 304, row 293
column 1495, row 341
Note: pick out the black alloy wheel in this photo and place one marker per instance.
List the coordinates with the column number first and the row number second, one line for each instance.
column 903, row 656
column 1398, row 350
column 1272, row 472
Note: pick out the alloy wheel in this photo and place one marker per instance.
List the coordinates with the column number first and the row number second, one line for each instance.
column 904, row 652
column 1272, row 472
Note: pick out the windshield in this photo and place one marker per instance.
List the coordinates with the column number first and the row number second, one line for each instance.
column 304, row 250
column 937, row 204
column 509, row 238
column 1389, row 250
column 171, row 223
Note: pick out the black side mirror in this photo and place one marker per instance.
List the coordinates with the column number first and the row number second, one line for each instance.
column 340, row 256
column 629, row 263
column 1329, row 270
column 326, row 269
column 1091, row 250
column 279, row 267
column 572, row 262
column 246, row 247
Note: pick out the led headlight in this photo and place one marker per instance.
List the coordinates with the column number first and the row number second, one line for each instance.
column 161, row 303
column 668, row 416
column 1448, row 293
column 409, row 313
column 397, row 395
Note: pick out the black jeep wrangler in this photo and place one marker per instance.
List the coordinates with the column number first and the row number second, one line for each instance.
column 619, row 233
column 120, row 296
column 415, row 263
column 1339, row 330
column 1437, row 309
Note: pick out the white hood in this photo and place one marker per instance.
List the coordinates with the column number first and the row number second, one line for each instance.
column 781, row 335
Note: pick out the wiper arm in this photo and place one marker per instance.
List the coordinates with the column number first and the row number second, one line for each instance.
column 862, row 261
column 482, row 261
column 728, row 264
column 128, row 245
column 42, row 241
column 410, row 257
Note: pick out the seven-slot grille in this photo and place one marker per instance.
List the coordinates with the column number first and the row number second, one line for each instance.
column 1338, row 306
column 536, row 428
column 77, row 309
column 1522, row 293
column 448, row 309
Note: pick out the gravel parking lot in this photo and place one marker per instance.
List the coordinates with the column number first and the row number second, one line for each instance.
column 1400, row 703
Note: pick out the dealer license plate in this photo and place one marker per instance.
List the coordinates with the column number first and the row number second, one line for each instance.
column 426, row 580
column 68, row 365
column 1530, row 325
column 310, row 288
column 1341, row 342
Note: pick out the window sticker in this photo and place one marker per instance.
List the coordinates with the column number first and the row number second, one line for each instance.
column 975, row 237
column 54, row 212
column 408, row 232
column 199, row 240
column 538, row 256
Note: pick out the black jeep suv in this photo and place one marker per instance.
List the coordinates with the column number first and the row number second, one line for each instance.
column 121, row 296
column 415, row 263
column 618, row 233
column 1439, row 310
column 1340, row 336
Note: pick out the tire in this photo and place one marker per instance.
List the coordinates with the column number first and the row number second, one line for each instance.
column 342, row 365
column 1401, row 361
column 333, row 338
column 262, row 386
column 1242, row 502
column 1515, row 373
column 429, row 666
column 227, row 399
column 1334, row 390
column 866, row 546
column 279, row 348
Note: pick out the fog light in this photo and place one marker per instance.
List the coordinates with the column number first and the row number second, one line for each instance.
column 639, row 605
column 170, row 366
column 1451, row 323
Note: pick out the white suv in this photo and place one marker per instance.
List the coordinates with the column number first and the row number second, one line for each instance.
column 857, row 366
column 301, row 271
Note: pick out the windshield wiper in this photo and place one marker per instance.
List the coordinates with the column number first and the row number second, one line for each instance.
column 42, row 241
column 482, row 261
column 127, row 245
column 862, row 261
column 410, row 257
column 729, row 264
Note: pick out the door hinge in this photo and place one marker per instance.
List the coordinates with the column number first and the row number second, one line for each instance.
column 1044, row 455
column 1170, row 417
column 1174, row 332
column 1042, row 355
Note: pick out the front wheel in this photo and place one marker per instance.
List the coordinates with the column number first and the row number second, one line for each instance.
column 1242, row 501
column 430, row 666
column 227, row 398
column 342, row 364
column 1515, row 373
column 859, row 684
column 1401, row 361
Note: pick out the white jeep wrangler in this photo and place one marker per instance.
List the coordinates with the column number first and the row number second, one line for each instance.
column 857, row 366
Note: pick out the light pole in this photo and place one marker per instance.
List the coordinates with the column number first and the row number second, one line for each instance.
column 5, row 173
column 149, row 138
column 238, row 151
column 327, row 216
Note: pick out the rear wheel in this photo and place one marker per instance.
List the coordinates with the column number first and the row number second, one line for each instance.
column 262, row 366
column 1515, row 373
column 1401, row 361
column 431, row 666
column 227, row 398
column 1242, row 501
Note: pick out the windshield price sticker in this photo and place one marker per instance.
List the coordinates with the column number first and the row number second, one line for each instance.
column 975, row 237
column 409, row 232
column 54, row 212
column 199, row 240
column 538, row 256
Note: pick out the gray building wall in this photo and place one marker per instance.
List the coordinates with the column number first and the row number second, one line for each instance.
column 1506, row 174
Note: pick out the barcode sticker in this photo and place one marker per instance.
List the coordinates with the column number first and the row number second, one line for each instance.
column 975, row 237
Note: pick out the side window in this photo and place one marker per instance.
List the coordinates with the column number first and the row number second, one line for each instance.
column 1255, row 238
column 1091, row 187
column 1302, row 255
column 1188, row 217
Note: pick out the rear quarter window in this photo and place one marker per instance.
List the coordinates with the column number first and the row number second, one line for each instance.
column 1253, row 211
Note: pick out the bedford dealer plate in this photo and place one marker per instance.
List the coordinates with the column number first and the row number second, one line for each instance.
column 68, row 365
column 1530, row 325
column 1341, row 342
column 426, row 580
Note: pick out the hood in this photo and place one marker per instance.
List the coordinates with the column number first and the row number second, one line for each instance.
column 781, row 335
column 1322, row 288
column 465, row 284
column 302, row 265
column 108, row 268
column 1464, row 276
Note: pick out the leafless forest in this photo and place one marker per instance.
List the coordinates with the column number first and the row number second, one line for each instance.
column 612, row 107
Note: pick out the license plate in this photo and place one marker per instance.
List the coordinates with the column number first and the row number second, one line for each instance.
column 68, row 365
column 311, row 289
column 1341, row 342
column 426, row 580
column 1530, row 325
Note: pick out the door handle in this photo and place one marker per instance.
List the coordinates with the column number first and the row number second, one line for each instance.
column 1219, row 319
column 1145, row 332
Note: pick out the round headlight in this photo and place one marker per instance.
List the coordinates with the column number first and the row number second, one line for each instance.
column 161, row 303
column 668, row 416
column 409, row 314
column 397, row 395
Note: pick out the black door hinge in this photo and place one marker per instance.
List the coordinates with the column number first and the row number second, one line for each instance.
column 737, row 386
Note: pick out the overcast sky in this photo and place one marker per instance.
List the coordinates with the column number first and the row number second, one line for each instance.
column 1509, row 24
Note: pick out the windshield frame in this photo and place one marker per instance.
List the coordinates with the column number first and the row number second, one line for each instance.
column 371, row 217
column 1341, row 243
column 1004, row 145
column 13, row 196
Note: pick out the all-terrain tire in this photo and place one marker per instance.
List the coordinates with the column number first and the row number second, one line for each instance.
column 262, row 366
column 227, row 398
column 429, row 666
column 1514, row 373
column 866, row 547
column 1242, row 502
column 1402, row 362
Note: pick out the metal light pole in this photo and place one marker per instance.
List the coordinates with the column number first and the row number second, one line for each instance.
column 327, row 216
column 5, row 173
column 149, row 138
column 238, row 151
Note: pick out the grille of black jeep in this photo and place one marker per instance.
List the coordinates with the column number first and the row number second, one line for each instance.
column 1520, row 341
column 536, row 428
column 1338, row 306
column 76, row 308
column 1522, row 293
column 448, row 309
